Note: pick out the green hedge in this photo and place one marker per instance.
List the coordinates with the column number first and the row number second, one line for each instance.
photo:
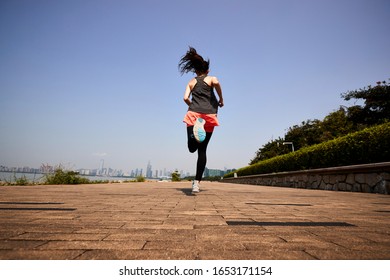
column 370, row 145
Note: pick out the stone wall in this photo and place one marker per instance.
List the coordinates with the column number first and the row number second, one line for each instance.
column 368, row 178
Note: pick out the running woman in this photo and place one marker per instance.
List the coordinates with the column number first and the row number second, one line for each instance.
column 201, row 117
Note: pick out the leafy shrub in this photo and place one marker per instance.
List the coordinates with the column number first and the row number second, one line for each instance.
column 140, row 179
column 22, row 181
column 366, row 146
column 61, row 177
column 175, row 176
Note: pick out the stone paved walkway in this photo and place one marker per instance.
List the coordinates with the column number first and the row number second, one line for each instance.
column 164, row 221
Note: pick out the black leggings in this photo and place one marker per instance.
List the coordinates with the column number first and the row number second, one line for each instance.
column 193, row 145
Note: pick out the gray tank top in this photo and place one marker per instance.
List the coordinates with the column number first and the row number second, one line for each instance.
column 203, row 98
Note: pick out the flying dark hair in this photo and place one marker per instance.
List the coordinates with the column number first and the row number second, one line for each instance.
column 193, row 62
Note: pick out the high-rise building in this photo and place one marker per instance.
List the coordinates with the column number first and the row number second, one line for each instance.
column 149, row 173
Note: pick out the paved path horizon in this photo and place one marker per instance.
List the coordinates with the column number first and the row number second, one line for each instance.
column 162, row 220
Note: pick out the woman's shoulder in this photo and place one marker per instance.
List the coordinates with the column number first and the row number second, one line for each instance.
column 192, row 83
column 211, row 80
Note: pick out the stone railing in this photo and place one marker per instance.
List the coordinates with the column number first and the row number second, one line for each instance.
column 369, row 178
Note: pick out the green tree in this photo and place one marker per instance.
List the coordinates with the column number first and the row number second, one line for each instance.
column 270, row 150
column 376, row 107
column 336, row 124
column 306, row 134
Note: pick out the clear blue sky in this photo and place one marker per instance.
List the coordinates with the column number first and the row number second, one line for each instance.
column 85, row 80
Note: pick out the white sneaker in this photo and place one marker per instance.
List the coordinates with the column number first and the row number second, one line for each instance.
column 195, row 186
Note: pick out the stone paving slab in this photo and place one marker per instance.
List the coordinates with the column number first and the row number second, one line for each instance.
column 162, row 220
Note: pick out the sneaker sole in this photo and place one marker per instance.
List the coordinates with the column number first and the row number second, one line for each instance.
column 199, row 132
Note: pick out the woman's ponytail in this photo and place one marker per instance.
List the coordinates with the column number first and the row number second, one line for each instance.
column 193, row 62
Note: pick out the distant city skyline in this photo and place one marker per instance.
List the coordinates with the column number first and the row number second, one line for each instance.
column 110, row 172
column 100, row 171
